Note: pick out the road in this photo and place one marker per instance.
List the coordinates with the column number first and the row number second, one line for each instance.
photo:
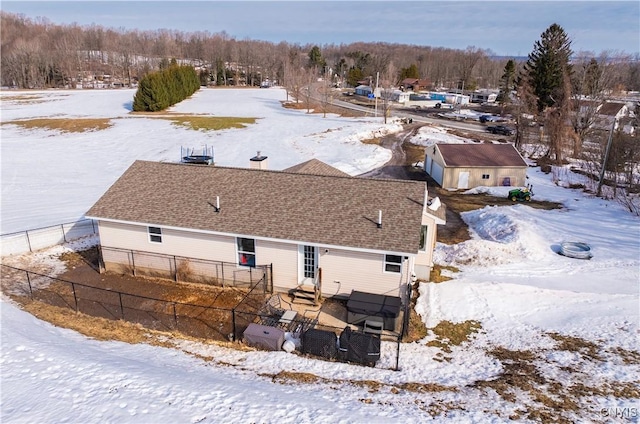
column 416, row 117
column 397, row 166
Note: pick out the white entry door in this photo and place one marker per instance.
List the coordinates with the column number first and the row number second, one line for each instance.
column 463, row 180
column 308, row 264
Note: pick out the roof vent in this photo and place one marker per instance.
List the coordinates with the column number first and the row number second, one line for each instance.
column 379, row 223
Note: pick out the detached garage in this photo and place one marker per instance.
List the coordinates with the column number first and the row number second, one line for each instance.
column 465, row 166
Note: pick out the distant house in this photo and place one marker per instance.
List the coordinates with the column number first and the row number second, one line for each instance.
column 363, row 90
column 464, row 166
column 483, row 96
column 415, row 84
column 398, row 96
column 610, row 112
column 605, row 115
column 311, row 223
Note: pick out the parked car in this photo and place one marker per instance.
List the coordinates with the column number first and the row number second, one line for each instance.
column 489, row 118
column 501, row 129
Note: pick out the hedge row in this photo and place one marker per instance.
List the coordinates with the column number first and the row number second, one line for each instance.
column 160, row 90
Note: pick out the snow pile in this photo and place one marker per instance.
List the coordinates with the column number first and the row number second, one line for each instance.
column 430, row 135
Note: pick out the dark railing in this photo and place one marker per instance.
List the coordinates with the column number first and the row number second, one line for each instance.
column 197, row 320
column 193, row 319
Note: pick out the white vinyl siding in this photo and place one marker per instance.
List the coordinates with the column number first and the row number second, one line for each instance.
column 345, row 270
column 174, row 242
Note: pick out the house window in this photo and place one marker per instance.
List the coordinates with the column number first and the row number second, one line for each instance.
column 485, row 176
column 246, row 251
column 423, row 238
column 155, row 234
column 393, row 263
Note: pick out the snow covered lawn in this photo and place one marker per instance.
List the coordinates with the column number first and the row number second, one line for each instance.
column 548, row 337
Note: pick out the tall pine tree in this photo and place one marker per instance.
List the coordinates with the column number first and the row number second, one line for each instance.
column 547, row 74
column 548, row 65
column 507, row 83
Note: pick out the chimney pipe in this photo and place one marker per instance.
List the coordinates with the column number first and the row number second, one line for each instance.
column 380, row 218
column 217, row 203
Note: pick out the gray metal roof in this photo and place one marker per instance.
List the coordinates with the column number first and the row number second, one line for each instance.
column 318, row 209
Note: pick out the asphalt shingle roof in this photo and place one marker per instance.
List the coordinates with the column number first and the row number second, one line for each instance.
column 480, row 155
column 316, row 167
column 321, row 209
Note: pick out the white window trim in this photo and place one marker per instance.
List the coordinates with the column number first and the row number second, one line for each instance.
column 426, row 238
column 238, row 252
column 385, row 262
column 151, row 235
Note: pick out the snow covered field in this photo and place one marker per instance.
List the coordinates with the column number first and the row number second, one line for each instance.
column 570, row 326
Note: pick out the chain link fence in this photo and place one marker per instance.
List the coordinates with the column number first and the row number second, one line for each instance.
column 40, row 238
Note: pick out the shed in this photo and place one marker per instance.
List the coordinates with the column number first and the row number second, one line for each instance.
column 465, row 166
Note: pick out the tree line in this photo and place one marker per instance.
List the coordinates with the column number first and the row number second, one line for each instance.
column 39, row 54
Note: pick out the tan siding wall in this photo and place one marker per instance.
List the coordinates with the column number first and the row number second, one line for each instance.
column 496, row 176
column 357, row 271
column 180, row 243
column 284, row 257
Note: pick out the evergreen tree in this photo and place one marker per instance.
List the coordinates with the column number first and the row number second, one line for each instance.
column 548, row 65
column 593, row 76
column 507, row 83
column 354, row 75
column 315, row 58
column 410, row 72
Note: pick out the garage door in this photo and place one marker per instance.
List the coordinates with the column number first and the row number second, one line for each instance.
column 437, row 172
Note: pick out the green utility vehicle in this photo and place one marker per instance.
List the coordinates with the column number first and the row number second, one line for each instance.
column 520, row 194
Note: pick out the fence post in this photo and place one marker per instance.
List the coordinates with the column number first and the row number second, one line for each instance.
column 93, row 226
column 121, row 308
column 75, row 298
column 175, row 268
column 29, row 281
column 64, row 236
column 398, row 354
column 28, row 241
column 271, row 278
column 101, row 266
column 133, row 263
column 233, row 321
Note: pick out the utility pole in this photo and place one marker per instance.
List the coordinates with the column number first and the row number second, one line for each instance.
column 606, row 156
column 375, row 94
